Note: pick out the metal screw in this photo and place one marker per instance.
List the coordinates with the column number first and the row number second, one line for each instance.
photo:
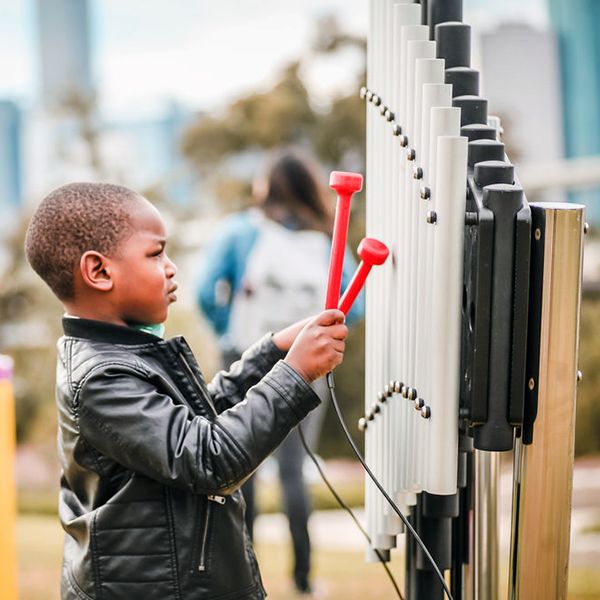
column 375, row 409
column 417, row 173
column 431, row 217
column 389, row 115
column 387, row 390
column 405, row 391
column 579, row 375
column 397, row 387
column 362, row 424
column 369, row 416
column 363, row 92
column 369, row 95
column 376, row 100
column 586, row 228
column 537, row 234
column 531, row 384
column 380, row 397
column 404, row 141
column 419, row 403
column 425, row 193
column 412, row 394
column 382, row 109
column 411, row 154
column 396, row 129
column 471, row 218
column 426, row 412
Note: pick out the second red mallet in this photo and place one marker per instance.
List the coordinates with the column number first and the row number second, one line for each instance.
column 371, row 252
column 345, row 184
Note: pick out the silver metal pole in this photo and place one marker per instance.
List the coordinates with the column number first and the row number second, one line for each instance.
column 544, row 474
column 486, row 526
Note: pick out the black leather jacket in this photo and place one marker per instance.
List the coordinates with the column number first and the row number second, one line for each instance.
column 152, row 460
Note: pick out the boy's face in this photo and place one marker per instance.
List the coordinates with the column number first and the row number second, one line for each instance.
column 142, row 274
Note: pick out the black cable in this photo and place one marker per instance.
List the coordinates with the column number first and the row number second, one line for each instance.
column 348, row 510
column 331, row 385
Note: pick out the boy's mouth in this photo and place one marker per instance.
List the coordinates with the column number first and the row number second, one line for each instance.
column 171, row 293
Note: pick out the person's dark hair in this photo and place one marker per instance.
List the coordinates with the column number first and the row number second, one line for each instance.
column 70, row 221
column 295, row 193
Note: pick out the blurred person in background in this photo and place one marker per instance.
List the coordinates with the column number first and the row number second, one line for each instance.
column 266, row 267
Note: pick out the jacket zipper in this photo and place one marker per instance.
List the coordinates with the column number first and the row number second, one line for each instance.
column 202, row 562
column 191, row 373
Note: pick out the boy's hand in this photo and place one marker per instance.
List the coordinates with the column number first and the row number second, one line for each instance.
column 319, row 347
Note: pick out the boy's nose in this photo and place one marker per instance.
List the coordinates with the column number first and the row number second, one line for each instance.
column 171, row 268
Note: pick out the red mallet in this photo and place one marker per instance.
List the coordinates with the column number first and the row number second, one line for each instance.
column 345, row 184
column 371, row 252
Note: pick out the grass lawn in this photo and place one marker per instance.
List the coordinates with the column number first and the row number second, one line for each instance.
column 342, row 575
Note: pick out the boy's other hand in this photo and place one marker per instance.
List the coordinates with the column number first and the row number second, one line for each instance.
column 319, row 347
column 284, row 338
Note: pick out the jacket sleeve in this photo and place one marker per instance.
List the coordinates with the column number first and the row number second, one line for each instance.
column 230, row 387
column 125, row 417
column 222, row 268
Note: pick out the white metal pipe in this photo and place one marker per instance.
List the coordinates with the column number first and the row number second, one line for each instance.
column 449, row 202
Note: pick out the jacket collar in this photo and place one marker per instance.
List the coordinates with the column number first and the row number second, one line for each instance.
column 101, row 331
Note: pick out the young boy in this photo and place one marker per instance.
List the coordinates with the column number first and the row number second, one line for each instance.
column 152, row 457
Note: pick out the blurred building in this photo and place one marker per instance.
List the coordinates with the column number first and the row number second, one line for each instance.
column 521, row 78
column 10, row 155
column 577, row 24
column 66, row 137
column 64, row 51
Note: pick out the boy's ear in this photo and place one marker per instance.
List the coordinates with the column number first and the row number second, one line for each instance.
column 95, row 271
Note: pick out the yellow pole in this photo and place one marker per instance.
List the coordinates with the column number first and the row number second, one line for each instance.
column 8, row 500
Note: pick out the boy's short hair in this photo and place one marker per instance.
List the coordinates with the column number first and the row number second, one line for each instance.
column 70, row 221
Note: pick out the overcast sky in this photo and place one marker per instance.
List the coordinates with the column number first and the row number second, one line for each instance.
column 202, row 52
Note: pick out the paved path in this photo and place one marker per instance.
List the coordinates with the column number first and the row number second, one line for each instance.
column 333, row 529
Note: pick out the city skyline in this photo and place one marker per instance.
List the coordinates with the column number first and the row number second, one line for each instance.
column 147, row 54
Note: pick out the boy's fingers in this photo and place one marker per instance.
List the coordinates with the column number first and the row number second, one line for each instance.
column 330, row 317
column 339, row 331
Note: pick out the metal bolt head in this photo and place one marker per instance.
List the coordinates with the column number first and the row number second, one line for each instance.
column 403, row 141
column 375, row 409
column 389, row 115
column 586, row 228
column 387, row 390
column 471, row 218
column 431, row 217
column 412, row 393
column 396, row 129
column 579, row 375
column 404, row 391
column 397, row 387
column 382, row 109
column 411, row 154
column 369, row 416
column 417, row 173
column 419, row 403
column 362, row 424
column 426, row 412
column 363, row 92
column 380, row 397
column 537, row 234
column 376, row 100
column 531, row 384
column 369, row 95
column 425, row 193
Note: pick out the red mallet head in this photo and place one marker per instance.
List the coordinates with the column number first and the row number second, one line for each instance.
column 371, row 252
column 345, row 184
